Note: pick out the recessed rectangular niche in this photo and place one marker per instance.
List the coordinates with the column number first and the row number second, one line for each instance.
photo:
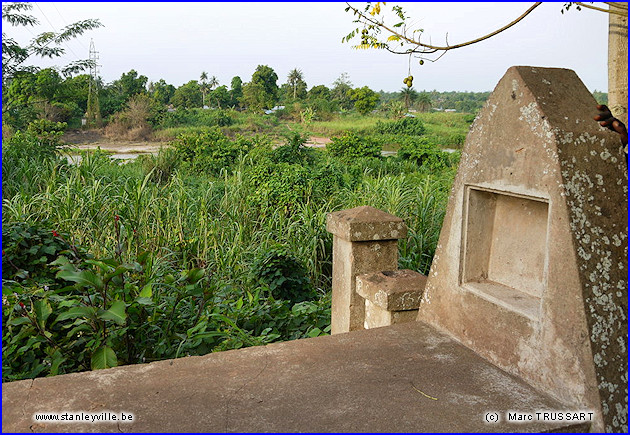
column 505, row 248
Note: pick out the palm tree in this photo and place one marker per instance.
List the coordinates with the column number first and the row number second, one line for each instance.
column 213, row 82
column 203, row 87
column 424, row 102
column 409, row 95
column 294, row 78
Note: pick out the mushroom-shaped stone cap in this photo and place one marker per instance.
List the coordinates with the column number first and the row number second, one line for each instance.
column 365, row 223
column 397, row 290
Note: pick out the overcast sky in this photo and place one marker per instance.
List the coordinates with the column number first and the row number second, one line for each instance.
column 177, row 41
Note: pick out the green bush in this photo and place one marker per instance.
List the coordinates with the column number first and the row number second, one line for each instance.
column 285, row 276
column 406, row 126
column 28, row 248
column 351, row 146
column 422, row 152
column 160, row 166
column 210, row 151
column 326, row 180
column 294, row 151
column 278, row 186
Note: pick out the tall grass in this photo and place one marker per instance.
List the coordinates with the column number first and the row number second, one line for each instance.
column 198, row 221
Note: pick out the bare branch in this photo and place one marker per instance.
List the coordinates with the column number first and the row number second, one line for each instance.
column 428, row 48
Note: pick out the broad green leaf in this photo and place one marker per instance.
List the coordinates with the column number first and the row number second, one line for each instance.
column 147, row 291
column 54, row 367
column 75, row 312
column 63, row 263
column 315, row 332
column 19, row 321
column 42, row 310
column 118, row 271
column 195, row 275
column 104, row 358
column 48, row 250
column 116, row 313
column 85, row 278
column 100, row 264
column 144, row 301
column 75, row 331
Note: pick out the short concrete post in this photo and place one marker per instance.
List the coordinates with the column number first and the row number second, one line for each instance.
column 391, row 296
column 365, row 240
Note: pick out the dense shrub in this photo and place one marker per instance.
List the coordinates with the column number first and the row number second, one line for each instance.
column 278, row 186
column 351, row 146
column 422, row 152
column 293, row 151
column 326, row 180
column 284, row 275
column 28, row 248
column 160, row 166
column 41, row 140
column 406, row 126
column 210, row 151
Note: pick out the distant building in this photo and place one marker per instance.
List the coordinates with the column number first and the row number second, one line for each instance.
column 273, row 109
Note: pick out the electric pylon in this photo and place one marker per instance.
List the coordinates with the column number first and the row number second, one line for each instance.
column 93, row 114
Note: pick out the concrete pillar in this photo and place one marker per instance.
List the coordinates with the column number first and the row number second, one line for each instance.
column 365, row 240
column 618, row 63
column 391, row 296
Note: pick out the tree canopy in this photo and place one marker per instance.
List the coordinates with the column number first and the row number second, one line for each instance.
column 46, row 44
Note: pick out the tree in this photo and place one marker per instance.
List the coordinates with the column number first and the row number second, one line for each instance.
column 340, row 91
column 115, row 96
column 213, row 82
column 161, row 91
column 319, row 91
column 364, row 99
column 408, row 95
column 131, row 84
column 295, row 80
column 203, row 86
column 221, row 96
column 47, row 44
column 424, row 102
column 236, row 91
column 262, row 91
column 403, row 38
column 188, row 95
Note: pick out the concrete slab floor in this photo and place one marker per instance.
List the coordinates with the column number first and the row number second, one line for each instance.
column 401, row 378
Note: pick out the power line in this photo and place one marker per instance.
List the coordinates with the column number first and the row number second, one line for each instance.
column 54, row 30
column 66, row 23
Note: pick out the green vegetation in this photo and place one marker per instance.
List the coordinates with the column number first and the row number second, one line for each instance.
column 215, row 243
column 218, row 241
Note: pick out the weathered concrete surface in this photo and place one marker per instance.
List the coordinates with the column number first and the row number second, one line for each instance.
column 377, row 317
column 365, row 223
column 379, row 380
column 551, row 307
column 390, row 296
column 365, row 240
column 395, row 290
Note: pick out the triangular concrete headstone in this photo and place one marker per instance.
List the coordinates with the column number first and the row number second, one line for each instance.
column 531, row 266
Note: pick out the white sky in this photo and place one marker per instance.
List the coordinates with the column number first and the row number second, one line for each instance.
column 177, row 41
